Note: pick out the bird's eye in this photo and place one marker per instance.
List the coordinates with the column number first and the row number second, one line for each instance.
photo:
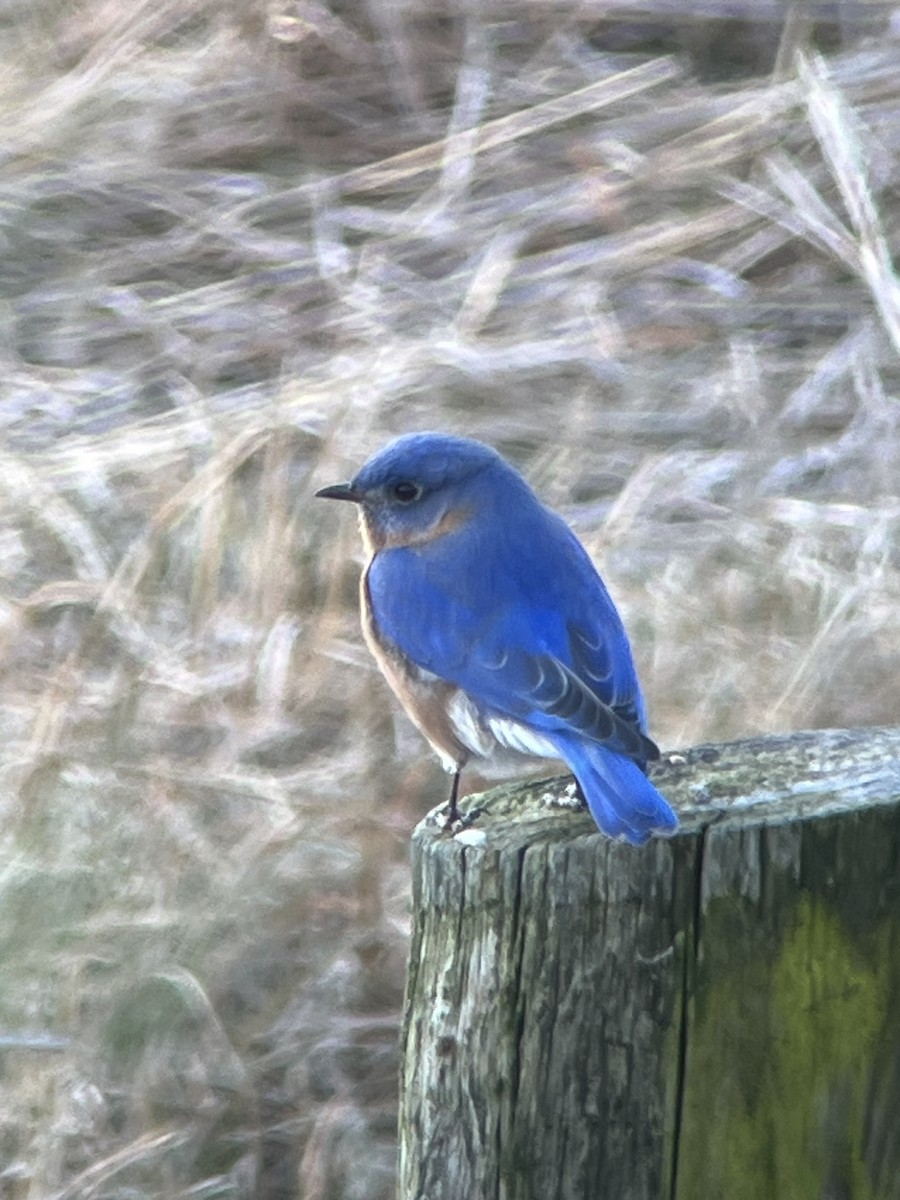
column 405, row 491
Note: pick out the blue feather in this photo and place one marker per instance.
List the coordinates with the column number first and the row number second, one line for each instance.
column 622, row 800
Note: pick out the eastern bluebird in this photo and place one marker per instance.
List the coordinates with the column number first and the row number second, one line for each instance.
column 492, row 626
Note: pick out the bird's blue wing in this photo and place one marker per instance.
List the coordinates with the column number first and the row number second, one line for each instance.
column 526, row 629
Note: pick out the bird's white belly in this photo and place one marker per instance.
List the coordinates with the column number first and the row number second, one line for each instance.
column 483, row 733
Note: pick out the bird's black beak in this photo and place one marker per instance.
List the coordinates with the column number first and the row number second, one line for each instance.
column 340, row 491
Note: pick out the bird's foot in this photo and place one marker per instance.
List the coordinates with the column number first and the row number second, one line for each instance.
column 454, row 821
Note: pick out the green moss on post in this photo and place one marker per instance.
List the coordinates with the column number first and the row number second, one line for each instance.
column 794, row 1015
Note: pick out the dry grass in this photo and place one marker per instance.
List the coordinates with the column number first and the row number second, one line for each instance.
column 245, row 244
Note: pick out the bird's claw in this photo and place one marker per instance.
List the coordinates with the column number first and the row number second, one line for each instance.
column 454, row 822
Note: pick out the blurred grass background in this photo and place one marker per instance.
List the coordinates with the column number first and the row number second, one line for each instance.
column 646, row 251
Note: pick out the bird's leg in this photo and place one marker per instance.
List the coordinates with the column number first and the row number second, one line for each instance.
column 452, row 809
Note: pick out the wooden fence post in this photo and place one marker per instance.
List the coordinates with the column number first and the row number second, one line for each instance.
column 711, row 1017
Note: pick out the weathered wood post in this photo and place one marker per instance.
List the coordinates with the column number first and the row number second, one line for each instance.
column 712, row 1017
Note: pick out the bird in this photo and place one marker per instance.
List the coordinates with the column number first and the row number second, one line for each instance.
column 494, row 628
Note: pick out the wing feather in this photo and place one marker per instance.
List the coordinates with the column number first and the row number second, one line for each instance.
column 541, row 644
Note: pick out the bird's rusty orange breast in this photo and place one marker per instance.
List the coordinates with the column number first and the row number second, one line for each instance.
column 375, row 539
column 424, row 697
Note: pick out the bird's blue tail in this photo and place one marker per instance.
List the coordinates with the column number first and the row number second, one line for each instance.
column 622, row 800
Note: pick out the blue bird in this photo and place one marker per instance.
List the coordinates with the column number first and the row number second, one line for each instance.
column 493, row 627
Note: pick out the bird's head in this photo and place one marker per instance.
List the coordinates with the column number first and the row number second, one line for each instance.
column 419, row 488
